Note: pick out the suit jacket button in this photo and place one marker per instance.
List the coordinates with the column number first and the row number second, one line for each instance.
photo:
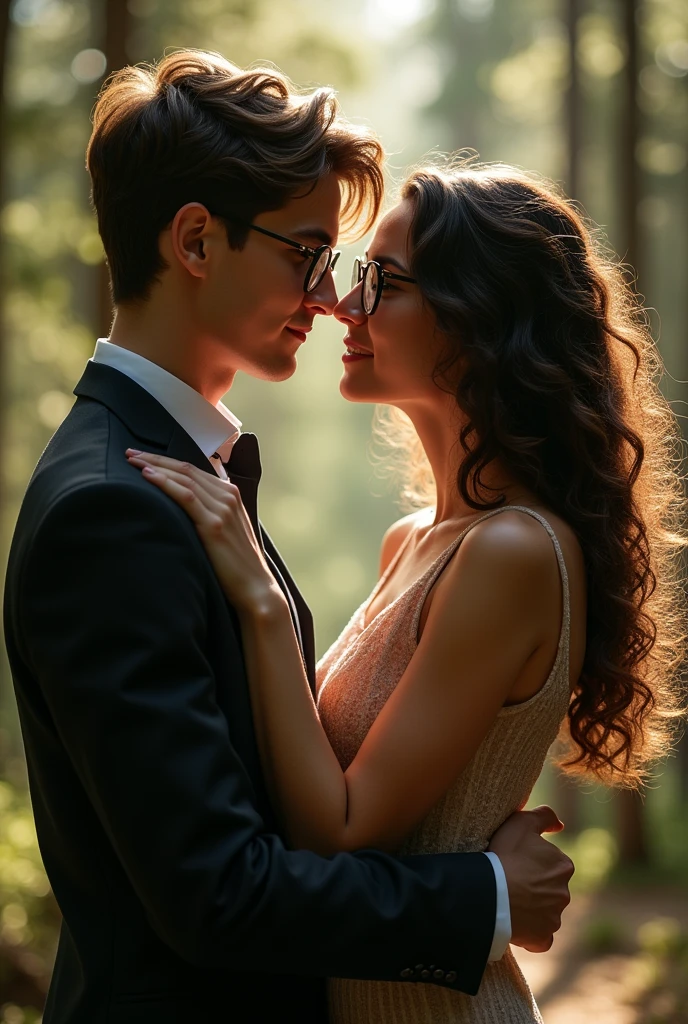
column 438, row 974
column 450, row 976
column 407, row 973
column 425, row 975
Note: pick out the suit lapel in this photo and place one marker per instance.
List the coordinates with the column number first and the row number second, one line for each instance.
column 302, row 609
column 142, row 414
column 150, row 422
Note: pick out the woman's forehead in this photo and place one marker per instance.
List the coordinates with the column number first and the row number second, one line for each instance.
column 392, row 231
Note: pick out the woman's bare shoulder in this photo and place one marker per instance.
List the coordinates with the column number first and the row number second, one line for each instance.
column 399, row 531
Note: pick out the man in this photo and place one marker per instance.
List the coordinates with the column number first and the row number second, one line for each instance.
column 218, row 195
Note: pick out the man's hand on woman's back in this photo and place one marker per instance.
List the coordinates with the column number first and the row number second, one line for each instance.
column 537, row 874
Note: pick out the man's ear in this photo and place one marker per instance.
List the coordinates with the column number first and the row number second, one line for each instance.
column 188, row 235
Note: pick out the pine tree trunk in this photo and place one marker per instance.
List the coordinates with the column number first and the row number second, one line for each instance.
column 117, row 30
column 566, row 793
column 630, row 177
column 4, row 37
column 573, row 102
column 630, row 809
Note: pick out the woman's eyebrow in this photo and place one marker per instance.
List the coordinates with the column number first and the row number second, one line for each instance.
column 389, row 259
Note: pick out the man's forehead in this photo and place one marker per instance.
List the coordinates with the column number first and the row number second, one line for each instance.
column 315, row 217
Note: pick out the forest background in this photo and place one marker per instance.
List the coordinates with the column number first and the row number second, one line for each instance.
column 593, row 93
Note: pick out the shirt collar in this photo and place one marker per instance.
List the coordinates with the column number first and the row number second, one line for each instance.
column 213, row 427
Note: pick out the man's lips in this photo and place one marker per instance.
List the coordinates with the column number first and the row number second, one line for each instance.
column 298, row 332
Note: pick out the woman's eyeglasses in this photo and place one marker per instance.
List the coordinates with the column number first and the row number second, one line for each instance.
column 373, row 276
column 322, row 259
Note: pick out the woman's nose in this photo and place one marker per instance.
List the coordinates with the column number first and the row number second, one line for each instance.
column 349, row 309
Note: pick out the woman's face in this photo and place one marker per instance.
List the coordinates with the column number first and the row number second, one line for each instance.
column 400, row 341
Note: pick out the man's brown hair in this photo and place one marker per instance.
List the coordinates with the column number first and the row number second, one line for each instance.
column 196, row 128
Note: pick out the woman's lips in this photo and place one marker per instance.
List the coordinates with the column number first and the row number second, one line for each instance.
column 354, row 353
column 354, row 357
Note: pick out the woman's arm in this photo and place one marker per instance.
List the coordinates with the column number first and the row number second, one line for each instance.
column 482, row 628
column 485, row 622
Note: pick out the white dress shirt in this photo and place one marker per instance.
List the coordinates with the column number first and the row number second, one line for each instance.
column 215, row 429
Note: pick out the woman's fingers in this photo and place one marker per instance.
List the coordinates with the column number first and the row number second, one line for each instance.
column 220, row 497
column 215, row 501
column 216, row 510
column 209, row 481
column 212, row 509
column 179, row 490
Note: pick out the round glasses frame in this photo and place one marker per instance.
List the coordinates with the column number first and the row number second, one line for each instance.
column 373, row 275
column 322, row 259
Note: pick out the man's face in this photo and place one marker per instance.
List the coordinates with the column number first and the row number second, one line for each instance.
column 252, row 307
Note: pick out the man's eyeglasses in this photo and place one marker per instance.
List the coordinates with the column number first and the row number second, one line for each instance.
column 373, row 277
column 322, row 259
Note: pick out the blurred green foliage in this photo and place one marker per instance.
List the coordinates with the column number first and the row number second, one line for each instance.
column 655, row 975
column 10, row 1013
column 29, row 917
column 603, row 934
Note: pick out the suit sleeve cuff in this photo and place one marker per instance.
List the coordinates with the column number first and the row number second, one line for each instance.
column 502, row 931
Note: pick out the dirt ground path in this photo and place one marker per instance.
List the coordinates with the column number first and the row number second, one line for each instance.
column 573, row 985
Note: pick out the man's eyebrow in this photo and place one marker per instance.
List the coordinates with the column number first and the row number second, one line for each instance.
column 310, row 233
column 389, row 259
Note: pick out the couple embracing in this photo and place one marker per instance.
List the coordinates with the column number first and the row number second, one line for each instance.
column 232, row 832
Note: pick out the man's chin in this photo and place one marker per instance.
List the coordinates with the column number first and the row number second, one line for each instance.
column 276, row 370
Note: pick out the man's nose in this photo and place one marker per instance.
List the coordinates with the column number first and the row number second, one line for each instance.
column 323, row 299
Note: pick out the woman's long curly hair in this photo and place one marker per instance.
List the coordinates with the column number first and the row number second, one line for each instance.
column 554, row 370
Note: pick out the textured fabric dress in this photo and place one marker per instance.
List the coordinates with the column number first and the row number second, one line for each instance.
column 356, row 676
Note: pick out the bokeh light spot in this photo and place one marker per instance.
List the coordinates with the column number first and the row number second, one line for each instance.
column 600, row 55
column 660, row 157
column 14, row 916
column 475, row 10
column 90, row 249
column 89, row 66
column 672, row 58
column 13, row 1014
column 21, row 218
column 21, row 833
column 53, row 406
column 385, row 18
column 29, row 12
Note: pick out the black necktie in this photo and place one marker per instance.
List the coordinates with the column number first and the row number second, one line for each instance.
column 244, row 470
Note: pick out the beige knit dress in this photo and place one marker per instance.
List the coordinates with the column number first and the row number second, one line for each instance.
column 357, row 675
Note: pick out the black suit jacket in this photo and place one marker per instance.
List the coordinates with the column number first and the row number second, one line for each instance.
column 180, row 901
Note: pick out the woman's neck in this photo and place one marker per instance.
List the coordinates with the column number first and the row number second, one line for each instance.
column 439, row 426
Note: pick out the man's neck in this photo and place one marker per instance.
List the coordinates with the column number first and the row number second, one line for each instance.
column 153, row 335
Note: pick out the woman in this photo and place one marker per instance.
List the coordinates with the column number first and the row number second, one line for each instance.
column 539, row 586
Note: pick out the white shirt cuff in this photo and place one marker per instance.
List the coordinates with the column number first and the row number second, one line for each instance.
column 502, row 932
